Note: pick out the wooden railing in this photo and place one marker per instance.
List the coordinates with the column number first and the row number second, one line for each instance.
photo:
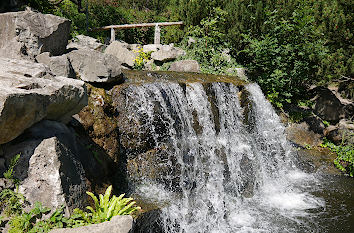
column 157, row 37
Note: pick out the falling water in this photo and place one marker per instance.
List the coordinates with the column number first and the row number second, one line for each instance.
column 226, row 166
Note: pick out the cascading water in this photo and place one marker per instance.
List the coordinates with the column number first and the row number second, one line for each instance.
column 223, row 165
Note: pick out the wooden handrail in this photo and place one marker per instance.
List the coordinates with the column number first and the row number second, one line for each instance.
column 126, row 26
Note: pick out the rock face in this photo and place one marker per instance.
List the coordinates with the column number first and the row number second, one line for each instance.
column 28, row 33
column 167, row 53
column 118, row 224
column 123, row 52
column 86, row 42
column 185, row 66
column 28, row 95
column 93, row 66
column 59, row 65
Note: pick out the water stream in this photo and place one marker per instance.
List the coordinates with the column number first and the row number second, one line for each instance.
column 226, row 164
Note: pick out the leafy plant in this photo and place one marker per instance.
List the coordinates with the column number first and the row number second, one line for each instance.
column 11, row 202
column 106, row 207
column 9, row 173
column 345, row 156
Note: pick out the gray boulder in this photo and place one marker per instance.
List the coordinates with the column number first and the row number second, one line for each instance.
column 167, row 53
column 185, row 66
column 93, row 66
column 86, row 42
column 118, row 224
column 123, row 51
column 59, row 65
column 28, row 94
column 28, row 33
column 55, row 177
column 151, row 47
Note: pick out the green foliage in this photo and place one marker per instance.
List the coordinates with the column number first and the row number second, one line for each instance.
column 106, row 207
column 11, row 202
column 345, row 156
column 141, row 59
column 9, row 173
column 210, row 47
column 285, row 58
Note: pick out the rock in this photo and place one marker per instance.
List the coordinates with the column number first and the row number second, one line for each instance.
column 54, row 177
column 185, row 66
column 6, row 184
column 167, row 53
column 86, row 42
column 346, row 89
column 151, row 47
column 122, row 52
column 327, row 105
column 149, row 222
column 300, row 134
column 26, row 34
column 96, row 67
column 191, row 41
column 343, row 132
column 118, row 224
column 59, row 65
column 28, row 95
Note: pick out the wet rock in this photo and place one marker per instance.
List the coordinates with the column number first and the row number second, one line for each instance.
column 118, row 224
column 149, row 222
column 86, row 42
column 185, row 66
column 301, row 134
column 26, row 34
column 167, row 53
column 122, row 52
column 59, row 65
column 28, row 95
column 93, row 66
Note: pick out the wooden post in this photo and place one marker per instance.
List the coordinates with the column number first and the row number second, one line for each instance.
column 157, row 37
column 113, row 35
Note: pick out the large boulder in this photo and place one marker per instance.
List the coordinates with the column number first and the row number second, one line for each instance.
column 96, row 67
column 118, row 224
column 86, row 42
column 58, row 65
column 28, row 95
column 123, row 51
column 185, row 66
column 28, row 33
column 167, row 53
column 54, row 166
column 55, row 177
column 327, row 105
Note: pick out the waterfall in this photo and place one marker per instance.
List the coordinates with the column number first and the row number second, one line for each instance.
column 217, row 157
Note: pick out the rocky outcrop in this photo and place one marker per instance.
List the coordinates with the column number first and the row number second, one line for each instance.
column 118, row 224
column 28, row 94
column 343, row 132
column 123, row 51
column 185, row 66
column 86, row 42
column 28, row 33
column 93, row 66
column 59, row 65
column 167, row 53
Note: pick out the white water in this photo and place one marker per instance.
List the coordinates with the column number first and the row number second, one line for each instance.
column 234, row 174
